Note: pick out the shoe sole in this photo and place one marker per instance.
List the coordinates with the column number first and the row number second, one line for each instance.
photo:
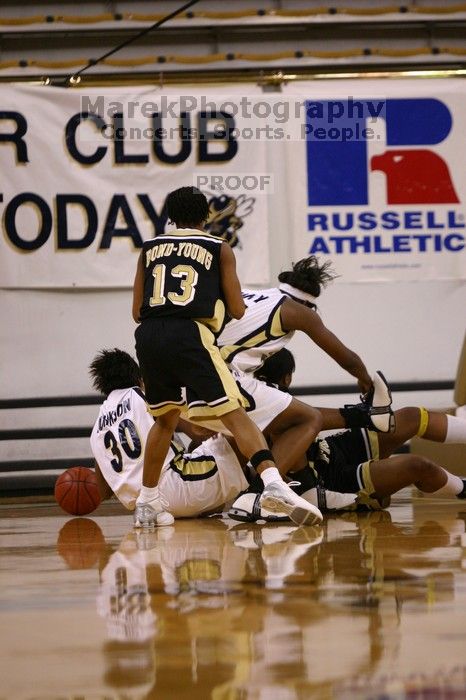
column 299, row 515
column 245, row 517
column 385, row 422
column 387, row 388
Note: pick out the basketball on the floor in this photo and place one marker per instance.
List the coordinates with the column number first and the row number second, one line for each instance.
column 76, row 491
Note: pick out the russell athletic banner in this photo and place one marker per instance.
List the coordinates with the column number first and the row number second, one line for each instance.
column 383, row 184
column 367, row 173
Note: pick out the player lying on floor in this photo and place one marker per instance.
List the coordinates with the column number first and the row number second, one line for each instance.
column 288, row 424
column 356, row 460
column 191, row 482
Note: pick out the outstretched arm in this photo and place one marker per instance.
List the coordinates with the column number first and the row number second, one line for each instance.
column 297, row 317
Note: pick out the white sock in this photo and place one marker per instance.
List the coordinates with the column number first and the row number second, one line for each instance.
column 453, row 487
column 456, row 429
column 146, row 494
column 270, row 474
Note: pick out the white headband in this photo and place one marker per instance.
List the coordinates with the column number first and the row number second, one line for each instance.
column 296, row 293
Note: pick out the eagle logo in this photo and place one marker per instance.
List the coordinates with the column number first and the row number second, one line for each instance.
column 227, row 215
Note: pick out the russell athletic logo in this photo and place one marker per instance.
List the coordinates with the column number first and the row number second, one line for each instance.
column 339, row 170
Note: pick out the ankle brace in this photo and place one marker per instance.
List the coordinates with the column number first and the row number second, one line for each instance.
column 360, row 416
column 261, row 456
column 356, row 416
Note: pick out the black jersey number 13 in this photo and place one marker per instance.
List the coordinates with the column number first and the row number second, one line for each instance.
column 188, row 279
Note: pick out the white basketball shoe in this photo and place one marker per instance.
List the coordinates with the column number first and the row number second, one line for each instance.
column 277, row 497
column 152, row 514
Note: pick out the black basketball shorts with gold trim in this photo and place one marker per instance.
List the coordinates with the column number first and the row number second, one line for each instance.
column 342, row 462
column 176, row 352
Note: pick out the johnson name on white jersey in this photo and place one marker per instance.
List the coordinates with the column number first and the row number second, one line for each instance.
column 118, row 440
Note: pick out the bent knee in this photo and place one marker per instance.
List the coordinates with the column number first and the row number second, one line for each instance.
column 421, row 467
column 318, row 419
column 309, row 414
column 409, row 415
column 299, row 413
column 310, row 423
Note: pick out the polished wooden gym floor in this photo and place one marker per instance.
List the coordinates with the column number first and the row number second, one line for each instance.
column 369, row 606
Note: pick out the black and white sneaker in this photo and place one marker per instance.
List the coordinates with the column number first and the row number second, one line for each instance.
column 279, row 498
column 374, row 412
column 247, row 508
column 379, row 404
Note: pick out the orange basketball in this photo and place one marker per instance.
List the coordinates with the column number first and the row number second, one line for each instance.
column 76, row 491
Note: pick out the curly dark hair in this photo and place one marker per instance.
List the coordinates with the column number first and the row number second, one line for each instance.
column 308, row 275
column 187, row 207
column 114, row 369
column 276, row 367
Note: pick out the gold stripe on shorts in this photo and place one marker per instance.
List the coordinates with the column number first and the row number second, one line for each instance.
column 373, row 439
column 160, row 408
column 194, row 469
column 366, row 492
column 233, row 398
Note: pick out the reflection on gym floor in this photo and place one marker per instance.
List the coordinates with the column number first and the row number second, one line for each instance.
column 367, row 606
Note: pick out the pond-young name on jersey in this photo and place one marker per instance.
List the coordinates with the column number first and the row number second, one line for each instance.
column 193, row 251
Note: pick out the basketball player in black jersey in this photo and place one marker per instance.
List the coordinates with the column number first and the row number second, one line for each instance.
column 185, row 284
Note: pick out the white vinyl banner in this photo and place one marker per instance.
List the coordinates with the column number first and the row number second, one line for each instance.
column 379, row 182
column 85, row 175
column 370, row 174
